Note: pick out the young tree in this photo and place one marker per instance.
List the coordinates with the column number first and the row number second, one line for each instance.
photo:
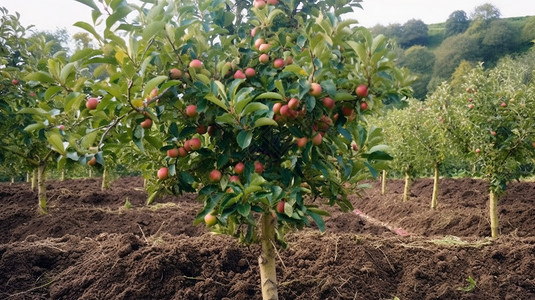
column 456, row 23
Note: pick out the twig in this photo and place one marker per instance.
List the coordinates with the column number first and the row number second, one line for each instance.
column 278, row 255
column 32, row 289
column 388, row 261
column 144, row 237
column 336, row 248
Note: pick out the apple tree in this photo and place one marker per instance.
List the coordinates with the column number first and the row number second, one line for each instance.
column 258, row 113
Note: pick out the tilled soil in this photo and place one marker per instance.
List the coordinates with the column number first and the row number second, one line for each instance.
column 90, row 246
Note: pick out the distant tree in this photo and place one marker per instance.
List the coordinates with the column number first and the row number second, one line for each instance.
column 379, row 29
column 499, row 39
column 57, row 40
column 458, row 78
column 528, row 31
column 420, row 61
column 486, row 12
column 457, row 23
column 452, row 51
column 414, row 32
column 82, row 40
column 394, row 31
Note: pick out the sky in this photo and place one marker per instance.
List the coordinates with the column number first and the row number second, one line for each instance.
column 49, row 15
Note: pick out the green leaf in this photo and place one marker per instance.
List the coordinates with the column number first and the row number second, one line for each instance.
column 51, row 91
column 280, row 87
column 318, row 220
column 120, row 13
column 269, row 95
column 152, row 29
column 153, row 83
column 66, row 71
column 212, row 98
column 244, row 138
column 244, row 209
column 88, row 28
column 89, row 3
column 55, row 141
column 343, row 96
column 33, row 111
column 253, row 107
column 88, row 139
column 383, row 148
column 265, row 122
column 40, row 76
column 226, row 118
column 293, row 68
column 34, row 127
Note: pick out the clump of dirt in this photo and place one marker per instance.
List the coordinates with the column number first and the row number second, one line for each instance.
column 90, row 246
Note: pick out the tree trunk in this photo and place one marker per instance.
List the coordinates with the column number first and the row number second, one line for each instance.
column 63, row 175
column 90, row 173
column 266, row 260
column 493, row 204
column 41, row 187
column 12, row 179
column 383, row 183
column 105, row 181
column 34, row 179
column 27, row 176
column 434, row 198
column 407, row 189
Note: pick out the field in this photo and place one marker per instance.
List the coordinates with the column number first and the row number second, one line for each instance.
column 90, row 246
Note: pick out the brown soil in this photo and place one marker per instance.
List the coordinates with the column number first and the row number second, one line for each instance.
column 90, row 246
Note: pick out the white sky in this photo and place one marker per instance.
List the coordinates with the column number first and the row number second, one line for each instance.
column 48, row 15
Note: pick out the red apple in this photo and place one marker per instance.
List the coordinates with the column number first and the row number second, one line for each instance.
column 195, row 144
column 259, row 42
column 503, row 104
column 191, row 110
column 293, row 103
column 533, row 144
column 147, row 124
column 363, row 106
column 470, row 99
column 264, row 47
column 215, row 176
column 328, row 103
column 15, row 82
column 285, row 111
column 258, row 167
column 196, row 64
column 301, row 142
column 259, row 4
column 153, row 93
column 163, row 173
column 182, row 152
column 272, row 2
column 235, row 179
column 493, row 133
column 201, row 129
column 187, row 146
column 317, row 139
column 315, row 89
column 239, row 168
column 239, row 75
column 477, row 151
column 32, row 94
column 91, row 103
column 253, row 31
column 175, row 73
column 61, row 127
column 92, row 161
column 277, row 107
column 347, row 111
column 278, row 63
column 280, row 206
column 362, row 90
column 211, row 130
column 210, row 219
column 263, row 59
column 354, row 146
column 470, row 106
column 250, row 72
column 172, row 152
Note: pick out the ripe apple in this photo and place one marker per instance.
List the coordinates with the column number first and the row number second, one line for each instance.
column 277, row 107
column 278, row 63
column 191, row 110
column 272, row 2
column 263, row 59
column 347, row 111
column 289, row 60
column 250, row 72
column 215, row 176
column 201, row 129
column 253, row 31
column 493, row 133
column 239, row 75
column 363, row 106
column 264, row 47
column 301, row 142
column 147, row 124
column 362, row 90
column 470, row 106
column 32, row 94
column 239, row 168
column 533, row 144
column 163, row 173
column 210, row 219
column 235, row 179
column 182, row 152
column 172, row 152
column 91, row 103
column 503, row 104
column 317, row 139
column 470, row 99
column 280, row 206
column 175, row 73
column 153, row 93
column 293, row 103
column 259, row 42
column 259, row 4
column 477, row 151
column 315, row 89
column 187, row 145
column 61, row 127
column 285, row 111
column 15, row 82
column 196, row 64
column 195, row 143
column 258, row 167
column 328, row 103
column 92, row 161
column 354, row 146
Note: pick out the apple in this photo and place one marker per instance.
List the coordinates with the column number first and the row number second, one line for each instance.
column 470, row 99
column 477, row 151
column 239, row 75
column 278, row 63
column 32, row 94
column 92, row 161
column 263, row 59
column 172, row 152
column 196, row 64
column 235, row 179
column 163, row 173
column 354, row 146
column 191, row 110
column 250, row 72
column 347, row 111
column 293, row 103
column 259, row 4
column 301, row 142
column 470, row 106
column 210, row 219
column 280, row 206
column 175, row 73
column 285, row 111
column 187, row 146
column 277, row 107
column 215, row 175
column 15, row 82
column 239, row 168
column 258, row 167
column 317, row 139
column 328, row 103
column 533, row 144
column 195, row 144
column 147, row 124
column 182, row 152
column 201, row 129
column 91, row 103
column 264, row 47
column 253, row 31
column 289, row 60
column 493, row 133
column 315, row 89
column 363, row 106
column 61, row 127
column 272, row 2
column 153, row 93
column 259, row 42
column 503, row 104
column 362, row 90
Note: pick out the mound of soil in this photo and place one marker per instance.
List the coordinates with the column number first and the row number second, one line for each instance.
column 91, row 246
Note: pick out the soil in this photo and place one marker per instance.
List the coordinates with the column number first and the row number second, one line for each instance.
column 90, row 246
